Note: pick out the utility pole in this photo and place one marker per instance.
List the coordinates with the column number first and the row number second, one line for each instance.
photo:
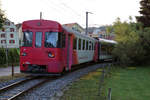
column 6, row 33
column 40, row 15
column 86, row 31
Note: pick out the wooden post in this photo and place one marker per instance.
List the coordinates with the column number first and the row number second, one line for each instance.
column 12, row 70
column 109, row 94
column 101, row 82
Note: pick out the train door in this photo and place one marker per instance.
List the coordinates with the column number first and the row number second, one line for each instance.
column 69, row 52
column 38, row 55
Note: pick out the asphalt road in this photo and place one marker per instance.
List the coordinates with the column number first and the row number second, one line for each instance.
column 7, row 71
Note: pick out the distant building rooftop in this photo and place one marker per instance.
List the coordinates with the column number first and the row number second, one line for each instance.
column 75, row 27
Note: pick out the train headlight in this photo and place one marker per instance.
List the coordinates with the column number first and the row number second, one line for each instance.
column 51, row 55
column 23, row 54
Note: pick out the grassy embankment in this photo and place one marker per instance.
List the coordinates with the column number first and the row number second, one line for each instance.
column 7, row 78
column 132, row 83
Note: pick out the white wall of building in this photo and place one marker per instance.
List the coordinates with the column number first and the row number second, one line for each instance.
column 9, row 36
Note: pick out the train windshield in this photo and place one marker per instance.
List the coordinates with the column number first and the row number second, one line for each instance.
column 38, row 39
column 51, row 40
column 27, row 39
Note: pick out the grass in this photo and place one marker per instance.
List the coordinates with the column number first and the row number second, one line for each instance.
column 84, row 89
column 132, row 83
column 7, row 78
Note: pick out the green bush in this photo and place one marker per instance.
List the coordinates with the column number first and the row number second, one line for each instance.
column 133, row 43
column 13, row 56
column 2, row 56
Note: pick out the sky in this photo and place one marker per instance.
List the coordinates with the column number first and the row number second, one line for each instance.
column 104, row 12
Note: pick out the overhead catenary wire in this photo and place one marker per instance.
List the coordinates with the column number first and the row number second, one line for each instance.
column 63, row 12
column 60, row 8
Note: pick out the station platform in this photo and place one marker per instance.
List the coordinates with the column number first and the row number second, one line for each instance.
column 8, row 70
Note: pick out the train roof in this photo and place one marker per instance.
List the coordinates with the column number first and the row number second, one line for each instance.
column 41, row 24
column 77, row 33
column 107, row 41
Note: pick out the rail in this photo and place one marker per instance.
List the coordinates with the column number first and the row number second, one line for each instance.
column 13, row 91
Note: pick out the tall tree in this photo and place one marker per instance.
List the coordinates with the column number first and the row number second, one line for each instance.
column 129, row 50
column 2, row 18
column 145, row 13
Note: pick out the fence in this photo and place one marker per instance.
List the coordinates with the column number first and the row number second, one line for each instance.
column 105, row 72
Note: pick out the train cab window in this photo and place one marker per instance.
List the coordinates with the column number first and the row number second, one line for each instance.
column 87, row 45
column 51, row 40
column 79, row 44
column 27, row 39
column 38, row 39
column 83, row 47
column 75, row 43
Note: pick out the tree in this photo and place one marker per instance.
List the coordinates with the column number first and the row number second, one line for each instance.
column 129, row 48
column 145, row 12
column 2, row 17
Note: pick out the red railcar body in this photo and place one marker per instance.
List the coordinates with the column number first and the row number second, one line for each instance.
column 48, row 48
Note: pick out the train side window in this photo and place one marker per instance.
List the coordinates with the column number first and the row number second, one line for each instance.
column 63, row 40
column 79, row 46
column 90, row 45
column 75, row 43
column 38, row 39
column 87, row 44
column 83, row 47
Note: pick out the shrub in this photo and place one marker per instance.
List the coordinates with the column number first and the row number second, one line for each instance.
column 2, row 56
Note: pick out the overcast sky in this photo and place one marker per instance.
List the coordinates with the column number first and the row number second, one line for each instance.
column 104, row 12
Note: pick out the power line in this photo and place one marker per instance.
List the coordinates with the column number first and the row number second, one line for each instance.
column 61, row 7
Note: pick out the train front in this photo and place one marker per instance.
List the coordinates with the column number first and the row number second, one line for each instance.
column 41, row 48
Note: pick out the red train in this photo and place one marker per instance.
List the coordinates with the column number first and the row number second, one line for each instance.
column 50, row 48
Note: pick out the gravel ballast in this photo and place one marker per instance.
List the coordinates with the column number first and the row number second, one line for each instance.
column 54, row 89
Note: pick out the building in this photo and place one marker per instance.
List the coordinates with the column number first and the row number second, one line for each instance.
column 9, row 36
column 75, row 27
column 19, row 31
column 100, row 32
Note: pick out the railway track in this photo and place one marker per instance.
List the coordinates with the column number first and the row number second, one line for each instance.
column 13, row 91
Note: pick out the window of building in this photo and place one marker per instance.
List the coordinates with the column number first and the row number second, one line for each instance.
column 12, row 35
column 3, row 41
column 12, row 29
column 79, row 44
column 11, row 41
column 2, row 35
column 75, row 43
column 7, row 23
